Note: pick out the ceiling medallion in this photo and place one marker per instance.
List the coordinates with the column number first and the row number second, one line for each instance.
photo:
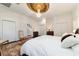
column 38, row 7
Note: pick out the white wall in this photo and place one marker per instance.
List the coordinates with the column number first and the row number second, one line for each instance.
column 20, row 19
column 76, row 18
column 61, row 24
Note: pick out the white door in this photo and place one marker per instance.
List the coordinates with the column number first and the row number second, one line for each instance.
column 9, row 30
column 0, row 30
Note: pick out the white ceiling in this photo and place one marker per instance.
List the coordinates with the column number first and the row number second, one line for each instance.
column 54, row 9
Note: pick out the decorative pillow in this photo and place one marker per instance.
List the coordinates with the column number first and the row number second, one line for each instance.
column 65, row 35
column 69, row 40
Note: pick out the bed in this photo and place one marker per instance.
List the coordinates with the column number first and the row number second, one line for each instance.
column 45, row 46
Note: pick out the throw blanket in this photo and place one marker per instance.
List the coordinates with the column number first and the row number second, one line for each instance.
column 72, row 42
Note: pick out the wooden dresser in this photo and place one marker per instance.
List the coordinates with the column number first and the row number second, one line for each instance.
column 26, row 37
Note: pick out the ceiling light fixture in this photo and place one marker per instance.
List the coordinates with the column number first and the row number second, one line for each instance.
column 38, row 8
column 38, row 14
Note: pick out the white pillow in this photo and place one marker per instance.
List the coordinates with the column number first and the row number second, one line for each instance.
column 68, row 42
column 65, row 35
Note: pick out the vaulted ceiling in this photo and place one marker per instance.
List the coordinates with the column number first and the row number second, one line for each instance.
column 54, row 9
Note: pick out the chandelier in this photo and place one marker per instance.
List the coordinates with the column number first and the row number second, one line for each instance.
column 38, row 8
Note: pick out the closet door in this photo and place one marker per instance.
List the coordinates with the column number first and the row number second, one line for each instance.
column 0, row 30
column 9, row 30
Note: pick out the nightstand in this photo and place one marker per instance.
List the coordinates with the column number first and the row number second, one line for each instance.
column 50, row 33
column 35, row 34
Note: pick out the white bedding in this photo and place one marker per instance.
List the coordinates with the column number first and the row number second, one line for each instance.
column 45, row 46
column 72, row 42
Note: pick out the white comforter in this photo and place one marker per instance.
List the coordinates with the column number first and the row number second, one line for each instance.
column 45, row 46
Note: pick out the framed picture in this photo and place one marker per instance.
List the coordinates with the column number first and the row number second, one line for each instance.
column 28, row 25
